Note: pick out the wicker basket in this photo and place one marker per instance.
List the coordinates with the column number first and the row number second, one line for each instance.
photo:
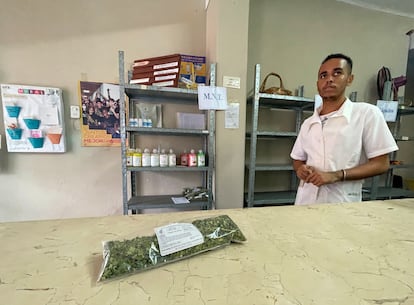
column 274, row 90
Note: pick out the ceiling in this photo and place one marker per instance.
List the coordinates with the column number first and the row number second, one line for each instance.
column 397, row 7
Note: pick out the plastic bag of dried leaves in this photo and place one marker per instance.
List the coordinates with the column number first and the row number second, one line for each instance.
column 170, row 243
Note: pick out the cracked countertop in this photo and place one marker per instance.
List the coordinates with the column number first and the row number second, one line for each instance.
column 350, row 254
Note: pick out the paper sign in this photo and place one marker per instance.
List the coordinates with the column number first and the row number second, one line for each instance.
column 49, row 114
column 212, row 98
column 232, row 116
column 177, row 236
column 389, row 109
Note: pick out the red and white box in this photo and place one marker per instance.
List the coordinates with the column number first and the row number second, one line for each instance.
column 157, row 71
column 175, row 70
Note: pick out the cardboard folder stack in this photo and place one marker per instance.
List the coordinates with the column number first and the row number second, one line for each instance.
column 158, row 71
column 174, row 70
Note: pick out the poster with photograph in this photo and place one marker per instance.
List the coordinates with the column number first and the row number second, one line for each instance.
column 33, row 118
column 100, row 114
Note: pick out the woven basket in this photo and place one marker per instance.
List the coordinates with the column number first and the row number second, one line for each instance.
column 274, row 90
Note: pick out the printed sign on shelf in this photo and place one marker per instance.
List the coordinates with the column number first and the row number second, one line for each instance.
column 389, row 109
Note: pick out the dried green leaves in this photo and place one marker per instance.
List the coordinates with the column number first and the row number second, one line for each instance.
column 142, row 253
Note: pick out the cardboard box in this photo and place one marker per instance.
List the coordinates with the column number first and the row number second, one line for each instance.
column 169, row 80
column 175, row 70
column 192, row 68
column 157, row 63
column 157, row 71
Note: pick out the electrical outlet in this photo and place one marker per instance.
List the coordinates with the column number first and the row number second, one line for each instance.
column 74, row 112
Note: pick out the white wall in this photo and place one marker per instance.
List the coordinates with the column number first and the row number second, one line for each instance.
column 58, row 43
column 292, row 38
column 227, row 30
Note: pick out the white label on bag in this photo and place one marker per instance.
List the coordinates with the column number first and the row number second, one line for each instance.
column 177, row 236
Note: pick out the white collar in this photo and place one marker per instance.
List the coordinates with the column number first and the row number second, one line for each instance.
column 345, row 110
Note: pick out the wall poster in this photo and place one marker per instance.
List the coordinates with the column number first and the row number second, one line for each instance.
column 33, row 118
column 100, row 114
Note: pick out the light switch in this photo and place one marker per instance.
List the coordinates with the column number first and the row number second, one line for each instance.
column 74, row 112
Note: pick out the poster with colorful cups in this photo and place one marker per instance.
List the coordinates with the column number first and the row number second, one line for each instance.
column 33, row 118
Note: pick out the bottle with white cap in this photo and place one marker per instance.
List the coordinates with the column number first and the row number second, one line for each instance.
column 146, row 158
column 201, row 158
column 137, row 158
column 129, row 156
column 184, row 158
column 192, row 158
column 155, row 158
column 172, row 158
column 163, row 158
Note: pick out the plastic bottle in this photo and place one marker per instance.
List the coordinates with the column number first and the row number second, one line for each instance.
column 146, row 158
column 155, row 158
column 184, row 158
column 137, row 158
column 129, row 156
column 201, row 158
column 147, row 123
column 133, row 122
column 163, row 158
column 192, row 158
column 172, row 158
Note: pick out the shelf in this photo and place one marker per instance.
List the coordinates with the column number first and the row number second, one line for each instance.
column 283, row 101
column 134, row 179
column 274, row 198
column 167, row 131
column 397, row 166
column 404, row 138
column 271, row 167
column 163, row 201
column 274, row 134
column 400, row 166
column 288, row 197
column 280, row 103
column 285, row 167
column 387, row 193
column 156, row 93
column 177, row 168
column 405, row 110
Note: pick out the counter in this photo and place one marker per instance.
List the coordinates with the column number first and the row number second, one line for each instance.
column 357, row 253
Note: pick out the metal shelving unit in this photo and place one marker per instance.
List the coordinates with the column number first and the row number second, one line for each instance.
column 292, row 103
column 132, row 200
column 299, row 105
column 387, row 191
